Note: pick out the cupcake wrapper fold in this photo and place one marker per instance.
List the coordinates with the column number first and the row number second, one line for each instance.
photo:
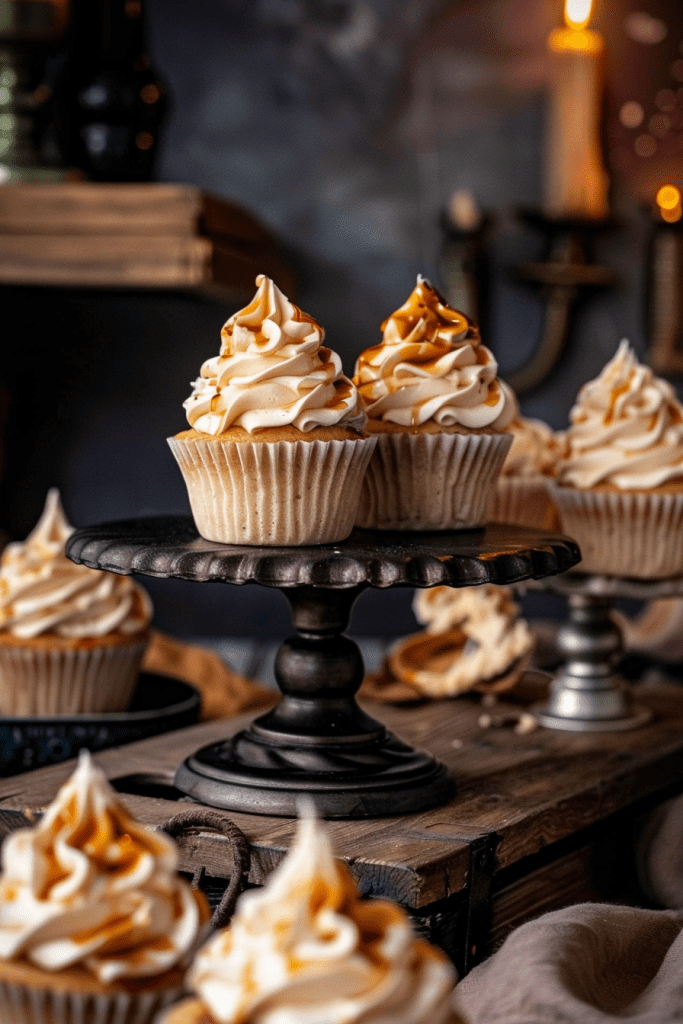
column 431, row 481
column 26, row 1005
column 624, row 533
column 43, row 681
column 524, row 501
column 273, row 493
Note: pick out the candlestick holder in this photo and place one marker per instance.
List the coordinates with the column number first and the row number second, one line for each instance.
column 464, row 269
column 664, row 292
column 566, row 275
column 587, row 694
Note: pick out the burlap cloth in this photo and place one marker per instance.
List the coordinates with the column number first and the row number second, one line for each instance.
column 223, row 691
column 595, row 963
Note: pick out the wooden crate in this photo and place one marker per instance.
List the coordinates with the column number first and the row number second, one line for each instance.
column 539, row 821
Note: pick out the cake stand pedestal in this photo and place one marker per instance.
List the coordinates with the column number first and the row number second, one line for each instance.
column 317, row 741
column 587, row 694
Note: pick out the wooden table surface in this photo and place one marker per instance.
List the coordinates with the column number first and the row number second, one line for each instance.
column 526, row 791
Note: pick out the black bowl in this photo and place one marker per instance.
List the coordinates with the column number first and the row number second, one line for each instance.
column 159, row 704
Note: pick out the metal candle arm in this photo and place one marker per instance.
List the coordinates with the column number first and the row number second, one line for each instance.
column 565, row 275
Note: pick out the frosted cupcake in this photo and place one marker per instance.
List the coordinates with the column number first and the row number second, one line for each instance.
column 619, row 488
column 439, row 412
column 276, row 452
column 95, row 924
column 521, row 496
column 71, row 638
column 474, row 639
column 307, row 949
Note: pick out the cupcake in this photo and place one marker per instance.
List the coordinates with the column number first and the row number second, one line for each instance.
column 474, row 639
column 71, row 638
column 521, row 496
column 95, row 924
column 439, row 412
column 619, row 486
column 276, row 452
column 307, row 949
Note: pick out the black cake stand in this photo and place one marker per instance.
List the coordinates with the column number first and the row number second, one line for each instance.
column 317, row 740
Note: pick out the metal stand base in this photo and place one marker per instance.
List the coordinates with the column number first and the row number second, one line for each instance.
column 364, row 780
column 587, row 695
column 638, row 716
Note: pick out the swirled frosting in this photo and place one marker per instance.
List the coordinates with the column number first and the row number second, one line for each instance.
column 42, row 591
column 90, row 887
column 626, row 429
column 492, row 637
column 273, row 371
column 431, row 365
column 307, row 949
column 535, row 448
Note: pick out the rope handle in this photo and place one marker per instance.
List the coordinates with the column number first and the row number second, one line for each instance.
column 188, row 821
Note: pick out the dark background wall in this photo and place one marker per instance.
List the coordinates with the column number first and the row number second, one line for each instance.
column 345, row 125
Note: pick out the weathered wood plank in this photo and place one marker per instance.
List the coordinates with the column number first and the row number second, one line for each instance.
column 531, row 791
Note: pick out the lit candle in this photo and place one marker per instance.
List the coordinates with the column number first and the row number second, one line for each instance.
column 576, row 181
column 669, row 204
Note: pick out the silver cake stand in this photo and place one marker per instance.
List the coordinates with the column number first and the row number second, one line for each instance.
column 587, row 694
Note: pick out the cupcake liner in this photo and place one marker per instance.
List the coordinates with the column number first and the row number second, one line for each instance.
column 431, row 481
column 59, row 681
column 624, row 533
column 22, row 1004
column 272, row 493
column 524, row 501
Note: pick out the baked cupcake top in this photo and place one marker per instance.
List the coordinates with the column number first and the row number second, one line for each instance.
column 431, row 365
column 308, row 948
column 43, row 592
column 535, row 448
column 626, row 429
column 272, row 371
column 89, row 887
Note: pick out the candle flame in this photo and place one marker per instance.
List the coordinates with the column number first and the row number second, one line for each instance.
column 668, row 197
column 577, row 13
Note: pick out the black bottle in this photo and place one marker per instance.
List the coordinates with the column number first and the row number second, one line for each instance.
column 112, row 103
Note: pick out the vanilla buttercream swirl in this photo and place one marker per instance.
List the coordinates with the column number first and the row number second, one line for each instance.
column 431, row 365
column 88, row 886
column 307, row 949
column 42, row 591
column 626, row 429
column 535, row 449
column 493, row 637
column 273, row 371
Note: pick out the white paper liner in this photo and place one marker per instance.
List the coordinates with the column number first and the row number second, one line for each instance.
column 524, row 501
column 279, row 493
column 431, row 481
column 43, row 681
column 624, row 533
column 21, row 1004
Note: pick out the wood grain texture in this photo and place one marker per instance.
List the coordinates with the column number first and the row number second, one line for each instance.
column 531, row 791
column 146, row 235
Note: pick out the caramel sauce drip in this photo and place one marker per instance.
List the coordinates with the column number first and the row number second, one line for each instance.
column 298, row 316
column 441, row 326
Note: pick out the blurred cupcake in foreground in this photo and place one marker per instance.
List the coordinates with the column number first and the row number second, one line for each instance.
column 521, row 496
column 276, row 452
column 71, row 638
column 619, row 487
column 307, row 949
column 439, row 412
column 474, row 640
column 95, row 924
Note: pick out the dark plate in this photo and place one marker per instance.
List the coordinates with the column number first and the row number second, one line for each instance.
column 160, row 704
